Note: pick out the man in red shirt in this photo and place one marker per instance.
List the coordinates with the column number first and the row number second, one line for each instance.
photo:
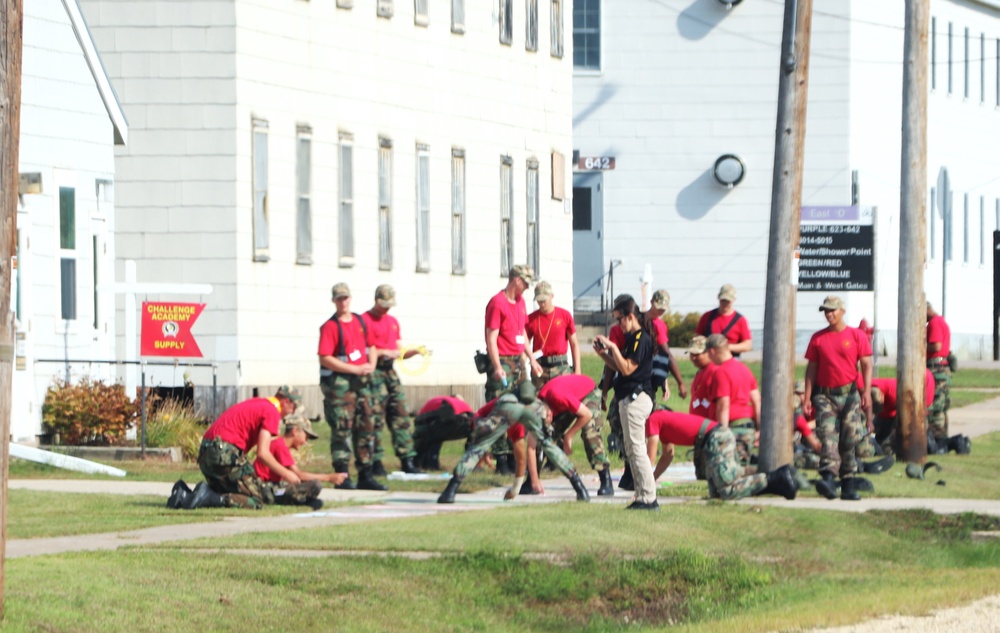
column 702, row 381
column 733, row 392
column 715, row 456
column 727, row 321
column 298, row 431
column 663, row 359
column 834, row 354
column 441, row 419
column 938, row 349
column 230, row 480
column 388, row 398
column 884, row 392
column 552, row 333
column 346, row 361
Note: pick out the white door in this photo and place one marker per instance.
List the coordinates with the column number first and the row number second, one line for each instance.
column 588, row 246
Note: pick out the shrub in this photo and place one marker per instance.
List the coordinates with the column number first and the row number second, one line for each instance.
column 173, row 423
column 681, row 327
column 89, row 413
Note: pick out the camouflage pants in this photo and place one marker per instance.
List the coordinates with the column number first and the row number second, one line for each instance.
column 493, row 427
column 433, row 428
column 840, row 426
column 548, row 373
column 726, row 478
column 514, row 368
column 593, row 445
column 615, row 426
column 348, row 409
column 806, row 459
column 228, row 473
column 746, row 438
column 298, row 494
column 389, row 409
column 937, row 414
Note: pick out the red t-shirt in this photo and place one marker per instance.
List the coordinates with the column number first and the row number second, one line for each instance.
column 355, row 342
column 939, row 332
column 738, row 333
column 565, row 394
column 836, row 355
column 617, row 335
column 486, row 409
column 550, row 332
column 700, row 391
column 734, row 380
column 661, row 331
column 890, row 393
column 383, row 332
column 241, row 424
column 281, row 453
column 510, row 319
column 673, row 427
column 457, row 405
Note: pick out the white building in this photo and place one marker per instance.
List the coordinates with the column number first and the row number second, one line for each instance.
column 70, row 124
column 666, row 88
column 281, row 146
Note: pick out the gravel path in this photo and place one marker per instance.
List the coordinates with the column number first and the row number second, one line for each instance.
column 982, row 616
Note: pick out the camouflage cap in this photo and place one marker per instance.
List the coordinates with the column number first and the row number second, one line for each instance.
column 289, row 393
column 878, row 400
column 727, row 292
column 385, row 296
column 661, row 300
column 341, row 290
column 716, row 341
column 524, row 272
column 832, row 303
column 301, row 422
column 543, row 291
column 697, row 345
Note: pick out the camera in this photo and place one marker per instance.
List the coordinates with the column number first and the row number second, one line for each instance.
column 600, row 344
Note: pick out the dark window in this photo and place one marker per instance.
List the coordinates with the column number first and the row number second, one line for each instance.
column 582, row 216
column 587, row 34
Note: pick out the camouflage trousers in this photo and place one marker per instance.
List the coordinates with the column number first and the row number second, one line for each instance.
column 593, row 445
column 514, row 368
column 726, row 478
column 228, row 473
column 493, row 427
column 389, row 409
column 807, row 459
column 433, row 428
column 840, row 426
column 347, row 405
column 746, row 438
column 937, row 414
column 298, row 494
column 615, row 427
column 548, row 373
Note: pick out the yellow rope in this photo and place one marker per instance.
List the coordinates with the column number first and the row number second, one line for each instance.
column 408, row 367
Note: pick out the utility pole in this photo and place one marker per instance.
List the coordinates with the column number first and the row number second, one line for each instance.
column 786, row 214
column 911, row 356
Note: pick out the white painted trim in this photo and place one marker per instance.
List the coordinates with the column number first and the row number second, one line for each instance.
column 104, row 87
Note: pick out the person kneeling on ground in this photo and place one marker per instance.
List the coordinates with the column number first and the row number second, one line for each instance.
column 230, row 480
column 298, row 431
column 715, row 454
column 491, row 426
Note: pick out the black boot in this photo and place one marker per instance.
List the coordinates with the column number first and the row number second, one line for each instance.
column 408, row 466
column 849, row 489
column 347, row 484
column 961, row 444
column 626, row 482
column 378, row 469
column 448, row 496
column 607, row 488
column 526, row 488
column 781, row 482
column 204, row 497
column 502, row 466
column 879, row 465
column 366, row 481
column 863, row 485
column 581, row 490
column 179, row 495
column 315, row 504
column 434, row 458
column 826, row 486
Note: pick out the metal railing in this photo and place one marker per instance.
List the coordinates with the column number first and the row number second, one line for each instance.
column 608, row 291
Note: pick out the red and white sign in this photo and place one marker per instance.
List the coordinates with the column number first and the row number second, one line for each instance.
column 166, row 329
column 595, row 163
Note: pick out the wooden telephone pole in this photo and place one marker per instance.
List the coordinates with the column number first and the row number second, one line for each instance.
column 786, row 214
column 10, row 134
column 911, row 348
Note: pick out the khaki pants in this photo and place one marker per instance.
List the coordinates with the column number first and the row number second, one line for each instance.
column 633, row 415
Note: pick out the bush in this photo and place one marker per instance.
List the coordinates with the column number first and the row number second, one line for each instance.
column 681, row 327
column 89, row 413
column 173, row 423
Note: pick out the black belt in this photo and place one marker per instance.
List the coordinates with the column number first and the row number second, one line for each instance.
column 516, row 358
column 937, row 361
column 552, row 361
column 702, row 433
column 385, row 364
column 743, row 425
column 835, row 391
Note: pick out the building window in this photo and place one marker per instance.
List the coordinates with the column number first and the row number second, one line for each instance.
column 96, row 248
column 556, row 28
column 967, row 81
column 384, row 204
column 982, row 68
column 950, row 49
column 420, row 15
column 531, row 25
column 260, row 215
column 933, row 222
column 587, row 34
column 423, row 209
column 933, row 36
column 997, row 100
column 506, row 214
column 982, row 230
column 506, row 21
column 458, row 211
column 303, row 188
column 946, row 230
column 67, row 252
column 346, row 223
column 965, row 231
column 532, row 214
column 383, row 8
column 458, row 16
